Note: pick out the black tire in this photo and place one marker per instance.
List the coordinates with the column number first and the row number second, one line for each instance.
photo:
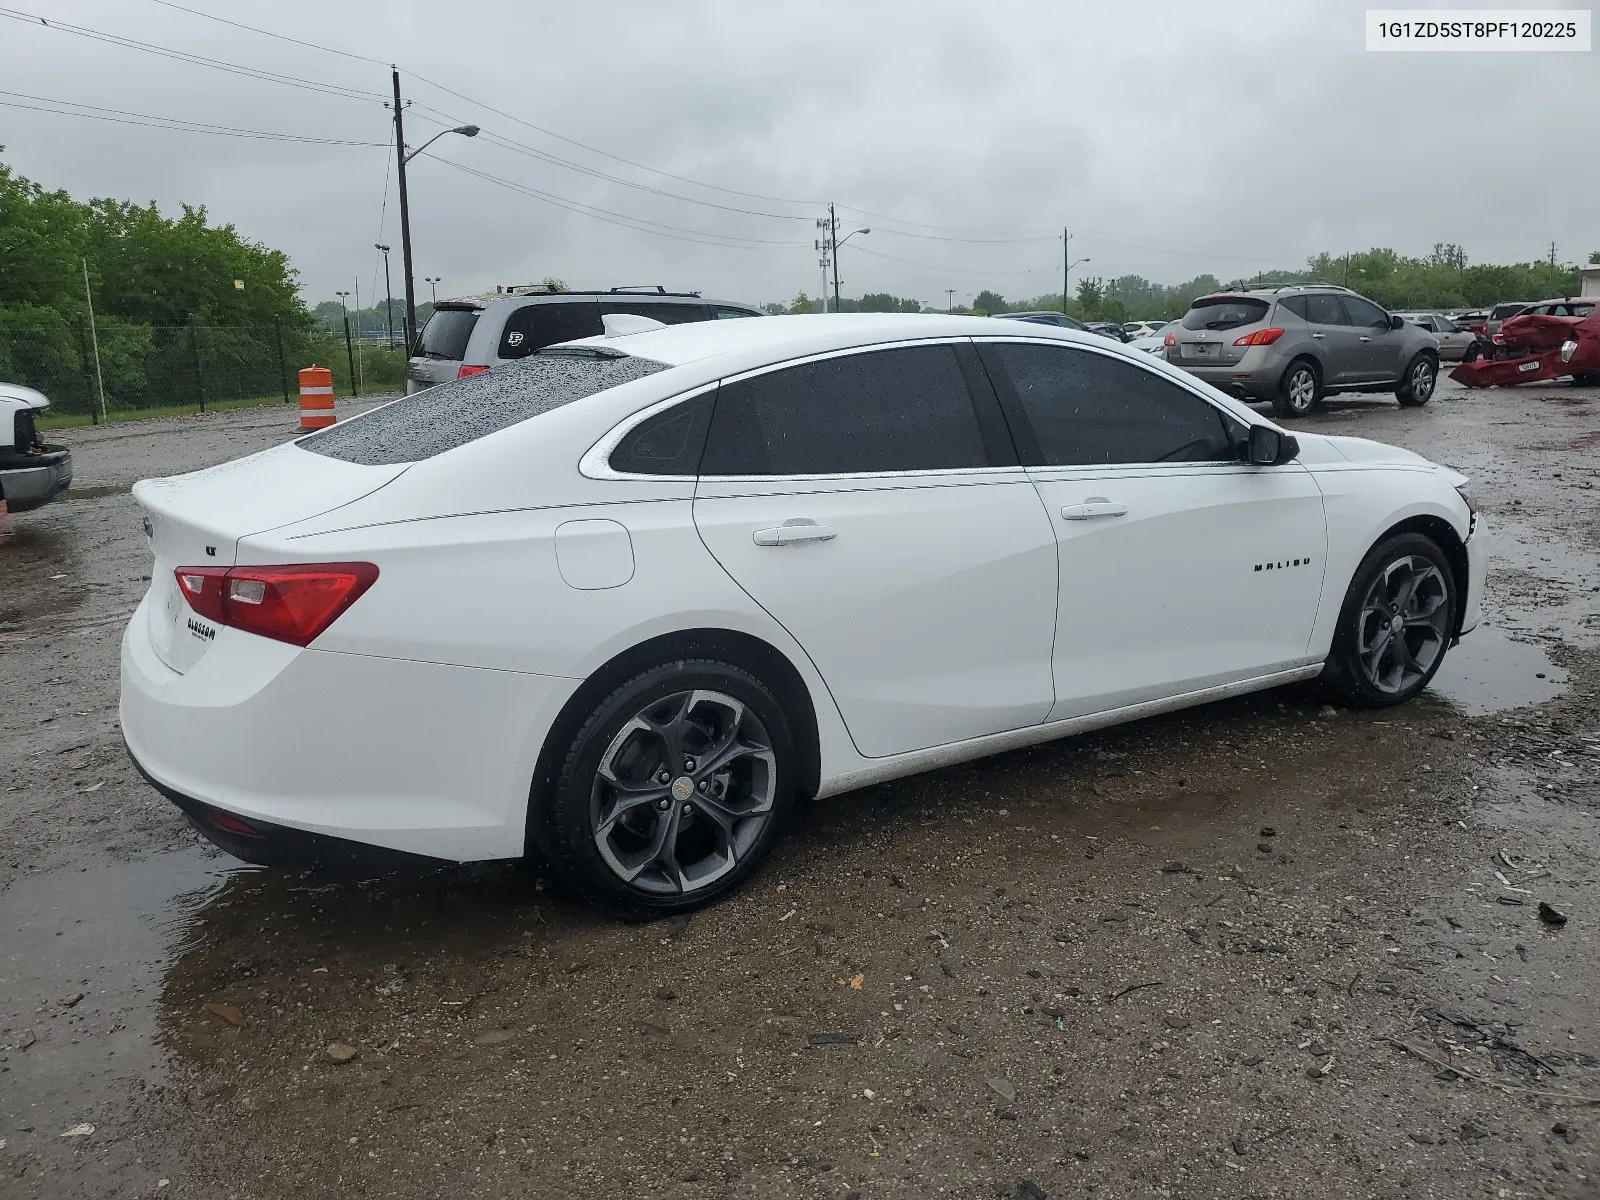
column 1293, row 398
column 1419, row 381
column 1365, row 669
column 734, row 815
column 1473, row 354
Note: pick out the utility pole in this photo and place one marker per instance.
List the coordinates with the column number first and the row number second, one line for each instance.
column 1552, row 266
column 405, row 223
column 1066, row 265
column 349, row 351
column 388, row 291
column 833, row 234
column 823, row 245
column 94, row 334
column 949, row 299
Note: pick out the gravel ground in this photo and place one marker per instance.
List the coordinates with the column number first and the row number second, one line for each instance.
column 1259, row 949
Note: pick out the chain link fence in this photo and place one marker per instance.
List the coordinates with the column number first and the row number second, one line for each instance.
column 185, row 366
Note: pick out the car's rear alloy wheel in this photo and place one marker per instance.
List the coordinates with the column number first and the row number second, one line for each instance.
column 674, row 789
column 683, row 792
column 1416, row 389
column 1298, row 391
column 1398, row 620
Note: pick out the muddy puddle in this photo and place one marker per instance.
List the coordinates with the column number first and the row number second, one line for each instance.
column 1490, row 672
column 82, row 959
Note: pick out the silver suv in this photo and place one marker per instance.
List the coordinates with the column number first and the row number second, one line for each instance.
column 1295, row 345
column 476, row 333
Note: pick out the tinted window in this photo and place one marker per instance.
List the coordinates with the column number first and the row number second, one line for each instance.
column 1444, row 325
column 535, row 326
column 1224, row 312
column 1501, row 311
column 447, row 332
column 889, row 410
column 1092, row 408
column 723, row 314
column 441, row 418
column 1363, row 312
column 667, row 314
column 1323, row 309
column 668, row 443
column 1295, row 305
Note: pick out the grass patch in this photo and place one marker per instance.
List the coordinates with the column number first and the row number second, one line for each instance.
column 53, row 420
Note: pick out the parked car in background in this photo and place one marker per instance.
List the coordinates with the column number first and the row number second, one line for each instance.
column 1140, row 329
column 475, row 333
column 1491, row 323
column 1045, row 317
column 1455, row 344
column 1295, row 345
column 1108, row 329
column 1157, row 341
column 1473, row 322
column 32, row 472
column 624, row 604
column 1576, row 307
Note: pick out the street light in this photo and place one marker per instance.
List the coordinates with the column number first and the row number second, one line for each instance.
column 401, row 159
column 388, row 289
column 433, row 282
column 839, row 241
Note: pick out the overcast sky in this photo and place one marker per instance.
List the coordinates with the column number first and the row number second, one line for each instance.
column 1172, row 138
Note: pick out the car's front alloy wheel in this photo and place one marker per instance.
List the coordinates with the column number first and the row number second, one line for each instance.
column 1397, row 623
column 673, row 791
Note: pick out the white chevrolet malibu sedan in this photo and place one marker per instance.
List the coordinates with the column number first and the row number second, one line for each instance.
column 630, row 599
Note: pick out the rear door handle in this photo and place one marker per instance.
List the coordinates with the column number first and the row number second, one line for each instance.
column 1319, row 335
column 1094, row 506
column 793, row 533
column 1365, row 338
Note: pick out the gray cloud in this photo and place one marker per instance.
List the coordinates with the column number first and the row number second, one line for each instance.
column 1173, row 139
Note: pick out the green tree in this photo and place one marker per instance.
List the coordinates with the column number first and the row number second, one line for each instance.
column 1090, row 293
column 989, row 303
column 801, row 304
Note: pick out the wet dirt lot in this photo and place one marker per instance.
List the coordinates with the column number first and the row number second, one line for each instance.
column 1263, row 948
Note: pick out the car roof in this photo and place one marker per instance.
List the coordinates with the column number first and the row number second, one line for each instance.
column 27, row 395
column 776, row 338
column 483, row 301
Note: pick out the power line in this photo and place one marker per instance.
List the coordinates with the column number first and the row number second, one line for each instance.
column 331, row 89
column 961, row 270
column 122, row 117
column 282, row 37
column 676, row 232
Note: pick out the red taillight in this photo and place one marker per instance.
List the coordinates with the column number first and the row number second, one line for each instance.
column 1169, row 340
column 1261, row 337
column 469, row 370
column 292, row 603
column 231, row 824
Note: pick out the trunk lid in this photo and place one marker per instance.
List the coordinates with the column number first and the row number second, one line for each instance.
column 197, row 520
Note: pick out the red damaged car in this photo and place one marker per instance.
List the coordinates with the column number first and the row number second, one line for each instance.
column 1549, row 340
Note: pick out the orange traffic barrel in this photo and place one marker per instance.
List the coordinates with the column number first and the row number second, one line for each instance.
column 316, row 398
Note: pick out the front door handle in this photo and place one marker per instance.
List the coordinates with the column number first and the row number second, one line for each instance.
column 1365, row 338
column 1319, row 335
column 1094, row 506
column 793, row 533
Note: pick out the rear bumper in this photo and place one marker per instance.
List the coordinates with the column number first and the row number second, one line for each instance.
column 1253, row 377
column 42, row 479
column 268, row 845
column 325, row 750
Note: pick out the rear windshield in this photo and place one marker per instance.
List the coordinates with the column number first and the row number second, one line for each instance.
column 447, row 333
column 437, row 419
column 1224, row 312
column 1502, row 311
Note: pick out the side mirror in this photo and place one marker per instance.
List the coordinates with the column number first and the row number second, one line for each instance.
column 1396, row 322
column 1268, row 447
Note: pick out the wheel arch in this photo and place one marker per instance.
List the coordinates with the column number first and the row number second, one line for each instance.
column 1444, row 534
column 734, row 647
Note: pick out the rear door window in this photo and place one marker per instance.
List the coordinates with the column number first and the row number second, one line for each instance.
column 723, row 314
column 1090, row 409
column 1224, row 312
column 535, row 326
column 1322, row 309
column 905, row 409
column 447, row 333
